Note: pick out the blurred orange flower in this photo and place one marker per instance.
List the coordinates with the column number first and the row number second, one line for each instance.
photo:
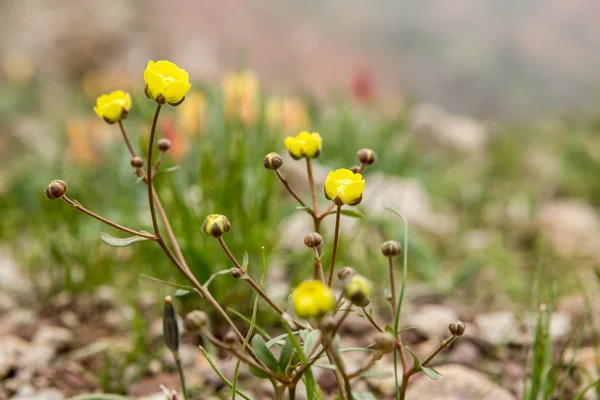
column 241, row 96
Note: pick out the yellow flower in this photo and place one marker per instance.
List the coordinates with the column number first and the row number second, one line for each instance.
column 166, row 82
column 191, row 114
column 344, row 187
column 113, row 107
column 241, row 96
column 312, row 299
column 304, row 145
column 358, row 288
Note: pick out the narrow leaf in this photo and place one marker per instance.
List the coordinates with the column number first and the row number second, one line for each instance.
column 263, row 353
column 326, row 366
column 286, row 355
column 245, row 261
column 181, row 292
column 216, row 274
column 310, row 341
column 220, row 374
column 431, row 373
column 120, row 242
column 376, row 374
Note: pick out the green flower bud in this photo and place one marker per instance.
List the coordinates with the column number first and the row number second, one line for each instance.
column 457, row 328
column 170, row 328
column 273, row 161
column 358, row 289
column 216, row 225
column 391, row 248
column 366, row 156
column 56, row 189
column 194, row 321
column 313, row 240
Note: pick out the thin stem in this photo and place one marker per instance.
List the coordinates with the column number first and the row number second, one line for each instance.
column 181, row 375
column 335, row 245
column 392, row 285
column 149, row 170
column 311, row 183
column 289, row 188
column 318, row 271
column 326, row 212
column 248, row 279
column 339, row 363
column 161, row 155
column 84, row 210
column 127, row 141
column 371, row 320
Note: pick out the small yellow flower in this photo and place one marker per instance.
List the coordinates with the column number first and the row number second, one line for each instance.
column 113, row 107
column 166, row 82
column 358, row 289
column 312, row 299
column 344, row 187
column 191, row 115
column 304, row 145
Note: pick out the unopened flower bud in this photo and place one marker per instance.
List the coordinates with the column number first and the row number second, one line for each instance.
column 216, row 225
column 391, row 248
column 345, row 273
column 457, row 328
column 237, row 273
column 355, row 169
column 56, row 189
column 376, row 355
column 230, row 339
column 137, row 162
column 358, row 289
column 273, row 161
column 195, row 320
column 366, row 156
column 170, row 328
column 313, row 240
column 385, row 342
column 163, row 144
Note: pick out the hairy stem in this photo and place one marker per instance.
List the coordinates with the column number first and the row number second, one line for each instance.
column 289, row 188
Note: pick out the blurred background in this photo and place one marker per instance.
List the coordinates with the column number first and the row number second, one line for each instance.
column 483, row 114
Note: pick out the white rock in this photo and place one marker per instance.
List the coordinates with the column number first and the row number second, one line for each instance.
column 571, row 227
column 432, row 319
column 37, row 357
column 456, row 383
column 438, row 129
column 499, row 327
column 53, row 336
column 44, row 394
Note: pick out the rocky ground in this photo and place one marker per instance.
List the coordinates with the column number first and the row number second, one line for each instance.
column 74, row 344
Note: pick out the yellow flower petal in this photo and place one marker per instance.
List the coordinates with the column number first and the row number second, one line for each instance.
column 168, row 69
column 98, row 113
column 156, row 83
column 312, row 299
column 175, row 91
column 113, row 112
column 345, row 186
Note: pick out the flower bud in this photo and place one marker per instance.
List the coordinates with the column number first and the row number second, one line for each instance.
column 345, row 273
column 216, row 225
column 355, row 169
column 163, row 144
column 313, row 240
column 457, row 328
column 376, row 355
column 385, row 342
column 358, row 289
column 170, row 328
column 137, row 162
column 391, row 248
column 195, row 320
column 56, row 189
column 366, row 156
column 230, row 339
column 237, row 273
column 273, row 161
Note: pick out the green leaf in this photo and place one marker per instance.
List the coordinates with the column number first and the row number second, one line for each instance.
column 277, row 340
column 181, row 292
column 326, row 366
column 216, row 274
column 264, row 354
column 431, row 373
column 417, row 363
column 99, row 396
column 120, row 242
column 245, row 261
column 388, row 328
column 350, row 213
column 257, row 372
column 176, row 285
column 363, row 396
column 310, row 341
column 246, row 319
column 286, row 355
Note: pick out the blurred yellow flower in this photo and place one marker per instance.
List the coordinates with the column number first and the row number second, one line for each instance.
column 358, row 289
column 344, row 187
column 80, row 147
column 312, row 299
column 241, row 96
column 304, row 145
column 113, row 107
column 166, row 82
column 286, row 112
column 191, row 114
